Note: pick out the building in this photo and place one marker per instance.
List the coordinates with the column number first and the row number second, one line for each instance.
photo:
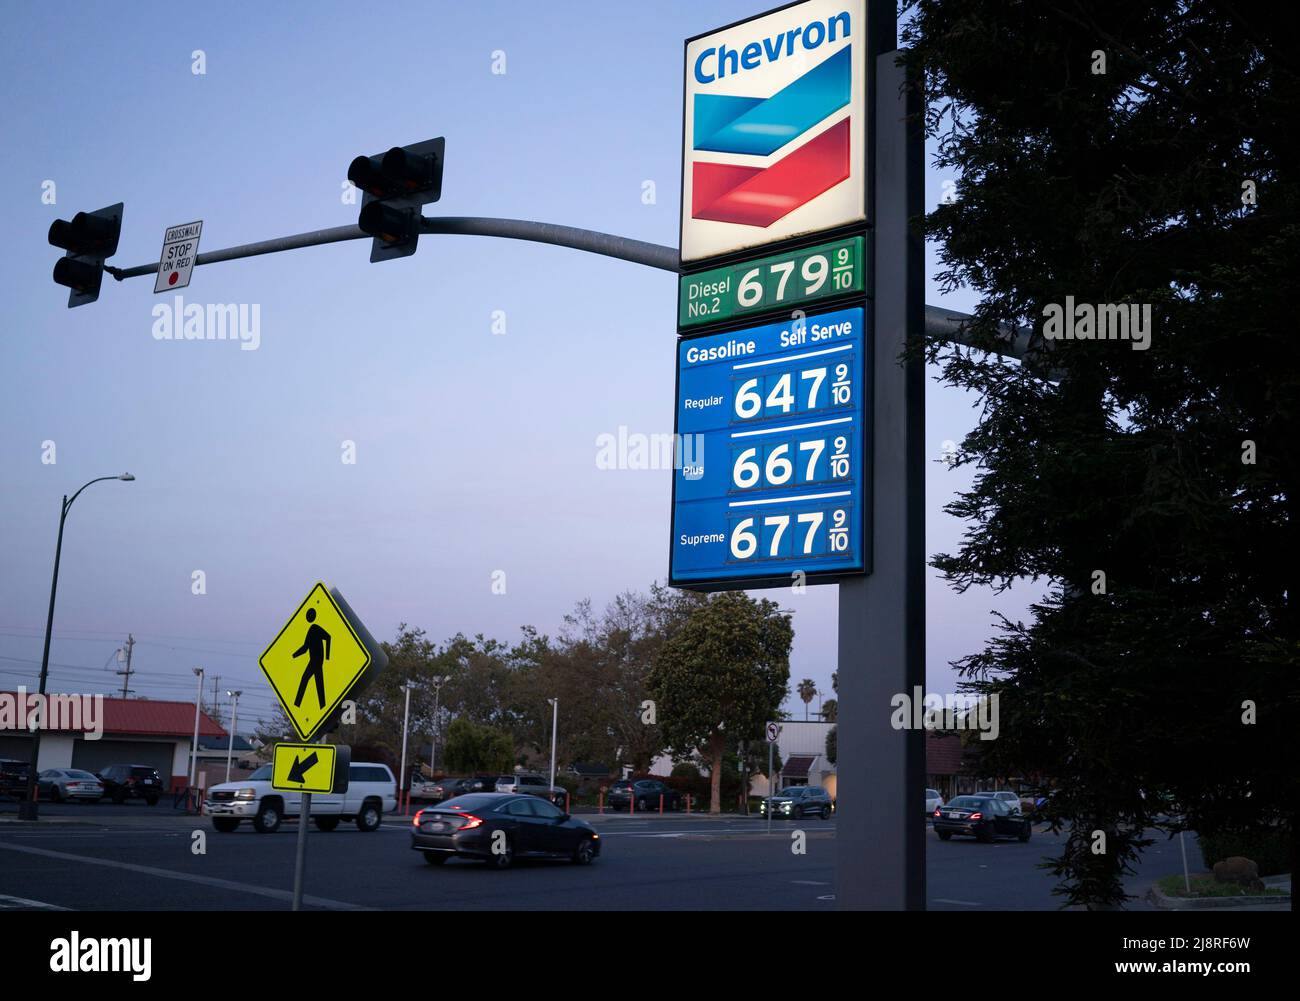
column 802, row 747
column 132, row 732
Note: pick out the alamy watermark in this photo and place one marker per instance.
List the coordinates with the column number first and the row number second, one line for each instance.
column 228, row 321
column 949, row 711
column 1107, row 321
column 81, row 713
column 633, row 450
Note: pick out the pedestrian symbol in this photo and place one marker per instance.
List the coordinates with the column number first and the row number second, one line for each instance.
column 315, row 661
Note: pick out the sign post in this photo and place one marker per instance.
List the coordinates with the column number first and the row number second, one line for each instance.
column 322, row 655
column 773, row 731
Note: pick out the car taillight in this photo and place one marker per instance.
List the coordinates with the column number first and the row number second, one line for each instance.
column 471, row 822
column 976, row 816
column 936, row 813
column 415, row 821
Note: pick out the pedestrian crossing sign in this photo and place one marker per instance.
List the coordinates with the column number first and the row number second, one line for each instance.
column 317, row 659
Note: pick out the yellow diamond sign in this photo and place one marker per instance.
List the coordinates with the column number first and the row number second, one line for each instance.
column 316, row 660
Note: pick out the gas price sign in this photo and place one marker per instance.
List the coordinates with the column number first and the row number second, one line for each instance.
column 782, row 281
column 772, row 448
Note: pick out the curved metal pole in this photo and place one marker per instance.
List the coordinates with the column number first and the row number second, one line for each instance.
column 939, row 322
column 29, row 810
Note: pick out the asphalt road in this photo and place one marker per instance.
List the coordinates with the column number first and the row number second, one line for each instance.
column 106, row 857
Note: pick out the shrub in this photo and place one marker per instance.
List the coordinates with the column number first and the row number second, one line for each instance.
column 1268, row 848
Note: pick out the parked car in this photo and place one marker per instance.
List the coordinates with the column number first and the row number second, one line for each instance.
column 123, row 782
column 61, row 784
column 983, row 816
column 531, row 785
column 372, row 792
column 448, row 788
column 933, row 800
column 798, row 801
column 13, row 777
column 482, row 783
column 646, row 793
column 1012, row 799
column 467, row 826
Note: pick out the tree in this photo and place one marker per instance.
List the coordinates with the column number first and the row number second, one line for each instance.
column 1143, row 155
column 830, row 710
column 832, row 744
column 720, row 676
column 473, row 747
column 807, row 690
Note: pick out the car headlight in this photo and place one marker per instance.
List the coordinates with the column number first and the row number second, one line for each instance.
column 245, row 794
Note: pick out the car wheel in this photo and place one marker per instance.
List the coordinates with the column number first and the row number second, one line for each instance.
column 641, row 805
column 944, row 835
column 984, row 836
column 55, row 795
column 369, row 818
column 326, row 823
column 1028, row 830
column 224, row 824
column 797, row 813
column 268, row 819
column 585, row 853
column 434, row 858
column 118, row 798
column 826, row 813
column 151, row 800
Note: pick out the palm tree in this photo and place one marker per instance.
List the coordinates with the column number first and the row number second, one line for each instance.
column 807, row 689
column 830, row 710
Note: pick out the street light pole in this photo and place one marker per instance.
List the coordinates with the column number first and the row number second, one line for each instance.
column 194, row 746
column 29, row 809
column 555, row 719
column 438, row 682
column 406, row 717
column 234, row 722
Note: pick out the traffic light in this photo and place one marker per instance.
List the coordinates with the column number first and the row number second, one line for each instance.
column 394, row 185
column 89, row 240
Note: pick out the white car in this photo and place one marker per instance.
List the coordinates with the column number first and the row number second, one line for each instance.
column 933, row 800
column 1012, row 799
column 372, row 792
column 532, row 785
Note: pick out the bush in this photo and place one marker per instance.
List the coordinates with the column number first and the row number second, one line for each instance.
column 1269, row 849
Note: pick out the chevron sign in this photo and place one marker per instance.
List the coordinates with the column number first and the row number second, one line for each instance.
column 775, row 128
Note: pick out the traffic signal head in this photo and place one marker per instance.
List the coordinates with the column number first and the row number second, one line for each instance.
column 394, row 185
column 89, row 239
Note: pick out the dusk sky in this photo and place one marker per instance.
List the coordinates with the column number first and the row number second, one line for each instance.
column 475, row 451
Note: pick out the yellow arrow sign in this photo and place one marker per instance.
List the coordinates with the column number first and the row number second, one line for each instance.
column 309, row 768
column 314, row 662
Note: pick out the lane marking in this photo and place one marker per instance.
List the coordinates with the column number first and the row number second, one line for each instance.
column 185, row 877
column 963, row 903
column 7, row 901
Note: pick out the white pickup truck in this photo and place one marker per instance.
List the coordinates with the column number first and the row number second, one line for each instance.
column 372, row 792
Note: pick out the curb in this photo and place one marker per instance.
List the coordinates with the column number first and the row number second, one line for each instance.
column 1162, row 900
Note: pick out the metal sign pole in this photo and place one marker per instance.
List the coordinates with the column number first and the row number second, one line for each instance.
column 770, row 777
column 882, row 616
column 300, row 855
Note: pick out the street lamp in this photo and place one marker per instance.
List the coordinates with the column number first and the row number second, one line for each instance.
column 555, row 718
column 29, row 810
column 194, row 746
column 438, row 682
column 234, row 722
column 406, row 716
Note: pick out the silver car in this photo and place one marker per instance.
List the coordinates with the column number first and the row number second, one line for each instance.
column 69, row 784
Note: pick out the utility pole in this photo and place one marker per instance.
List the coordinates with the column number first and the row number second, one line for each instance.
column 406, row 717
column 194, row 747
column 216, row 699
column 555, row 720
column 126, row 679
column 234, row 721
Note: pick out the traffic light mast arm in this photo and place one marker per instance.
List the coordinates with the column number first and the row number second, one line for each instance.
column 945, row 323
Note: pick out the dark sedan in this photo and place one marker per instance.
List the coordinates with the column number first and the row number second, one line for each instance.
column 648, row 793
column 499, row 828
column 982, row 817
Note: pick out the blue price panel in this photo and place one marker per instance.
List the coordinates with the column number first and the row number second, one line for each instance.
column 771, row 454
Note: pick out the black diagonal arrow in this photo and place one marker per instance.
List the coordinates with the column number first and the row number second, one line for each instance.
column 298, row 773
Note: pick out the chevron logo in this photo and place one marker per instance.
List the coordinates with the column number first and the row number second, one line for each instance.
column 759, row 196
